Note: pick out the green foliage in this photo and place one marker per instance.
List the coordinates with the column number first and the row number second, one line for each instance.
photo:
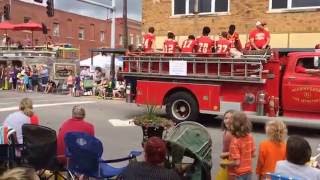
column 151, row 118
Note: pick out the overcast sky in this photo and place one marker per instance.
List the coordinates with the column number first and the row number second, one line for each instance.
column 75, row 6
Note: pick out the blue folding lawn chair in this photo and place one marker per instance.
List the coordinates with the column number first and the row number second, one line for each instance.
column 84, row 153
column 275, row 176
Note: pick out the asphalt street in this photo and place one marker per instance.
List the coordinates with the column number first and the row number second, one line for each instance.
column 111, row 121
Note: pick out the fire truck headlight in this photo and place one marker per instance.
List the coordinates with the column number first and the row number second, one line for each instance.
column 249, row 98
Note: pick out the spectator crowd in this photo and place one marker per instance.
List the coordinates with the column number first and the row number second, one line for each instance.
column 288, row 157
column 36, row 78
column 24, row 78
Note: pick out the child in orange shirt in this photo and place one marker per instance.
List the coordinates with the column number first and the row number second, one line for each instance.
column 241, row 150
column 273, row 149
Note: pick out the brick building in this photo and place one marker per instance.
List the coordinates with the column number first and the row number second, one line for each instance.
column 292, row 23
column 134, row 32
column 81, row 31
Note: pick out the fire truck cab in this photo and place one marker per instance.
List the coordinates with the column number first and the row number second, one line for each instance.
column 281, row 83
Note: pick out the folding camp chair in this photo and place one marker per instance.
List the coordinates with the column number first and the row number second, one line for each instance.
column 40, row 150
column 84, row 153
column 62, row 88
column 7, row 157
column 190, row 139
column 8, row 147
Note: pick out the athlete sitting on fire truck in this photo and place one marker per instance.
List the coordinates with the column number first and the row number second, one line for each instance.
column 149, row 40
column 223, row 45
column 236, row 46
column 317, row 48
column 189, row 45
column 170, row 45
column 204, row 43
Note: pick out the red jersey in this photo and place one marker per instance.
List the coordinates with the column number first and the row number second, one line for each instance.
column 235, row 40
column 188, row 46
column 223, row 46
column 34, row 119
column 148, row 40
column 170, row 46
column 259, row 37
column 204, row 44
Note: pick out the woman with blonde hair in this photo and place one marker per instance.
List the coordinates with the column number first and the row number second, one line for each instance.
column 272, row 149
column 20, row 173
column 17, row 119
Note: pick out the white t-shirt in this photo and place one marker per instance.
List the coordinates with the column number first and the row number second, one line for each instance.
column 302, row 172
column 16, row 120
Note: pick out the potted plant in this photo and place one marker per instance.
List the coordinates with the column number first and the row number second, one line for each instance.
column 152, row 124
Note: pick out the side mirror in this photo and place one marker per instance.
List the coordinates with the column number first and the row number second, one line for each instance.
column 316, row 62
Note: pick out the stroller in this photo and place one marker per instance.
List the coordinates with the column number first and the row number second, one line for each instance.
column 191, row 140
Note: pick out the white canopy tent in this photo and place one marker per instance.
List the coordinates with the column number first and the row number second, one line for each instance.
column 101, row 61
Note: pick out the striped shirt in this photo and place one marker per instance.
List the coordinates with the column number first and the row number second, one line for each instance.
column 241, row 149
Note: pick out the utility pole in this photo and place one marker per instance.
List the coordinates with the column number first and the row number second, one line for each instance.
column 113, row 41
column 113, row 24
column 125, row 24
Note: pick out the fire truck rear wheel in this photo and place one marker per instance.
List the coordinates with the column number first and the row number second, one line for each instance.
column 182, row 106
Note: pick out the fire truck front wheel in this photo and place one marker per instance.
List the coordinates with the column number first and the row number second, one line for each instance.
column 182, row 106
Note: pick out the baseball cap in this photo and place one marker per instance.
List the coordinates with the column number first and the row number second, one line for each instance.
column 258, row 23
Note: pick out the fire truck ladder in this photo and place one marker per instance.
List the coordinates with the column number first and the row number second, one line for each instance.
column 244, row 69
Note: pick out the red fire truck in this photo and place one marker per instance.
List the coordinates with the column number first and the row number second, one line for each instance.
column 282, row 83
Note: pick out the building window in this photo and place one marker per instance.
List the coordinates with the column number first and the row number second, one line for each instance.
column 26, row 19
column 81, row 33
column 56, row 29
column 294, row 4
column 131, row 38
column 101, row 36
column 120, row 40
column 92, row 32
column 181, row 7
column 137, row 40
